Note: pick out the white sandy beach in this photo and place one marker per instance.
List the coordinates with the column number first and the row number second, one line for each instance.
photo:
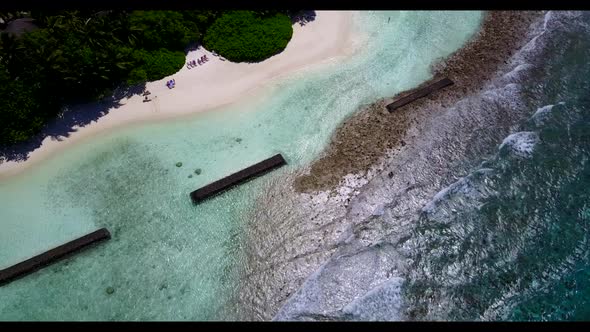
column 214, row 84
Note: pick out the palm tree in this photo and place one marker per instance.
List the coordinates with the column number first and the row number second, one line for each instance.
column 7, row 16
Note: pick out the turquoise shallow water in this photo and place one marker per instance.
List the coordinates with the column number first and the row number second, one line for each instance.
column 169, row 259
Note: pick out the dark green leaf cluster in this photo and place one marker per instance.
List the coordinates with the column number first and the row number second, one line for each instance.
column 162, row 29
column 246, row 36
column 153, row 65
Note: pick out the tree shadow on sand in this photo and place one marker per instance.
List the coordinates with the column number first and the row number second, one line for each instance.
column 62, row 126
column 303, row 17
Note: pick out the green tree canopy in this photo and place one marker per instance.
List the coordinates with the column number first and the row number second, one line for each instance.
column 246, row 36
column 153, row 65
column 163, row 29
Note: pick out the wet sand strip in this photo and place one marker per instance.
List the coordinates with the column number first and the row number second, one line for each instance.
column 237, row 178
column 33, row 264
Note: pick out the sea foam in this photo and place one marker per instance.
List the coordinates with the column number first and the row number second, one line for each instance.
column 521, row 144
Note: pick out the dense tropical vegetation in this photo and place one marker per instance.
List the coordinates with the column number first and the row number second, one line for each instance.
column 79, row 56
column 248, row 36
